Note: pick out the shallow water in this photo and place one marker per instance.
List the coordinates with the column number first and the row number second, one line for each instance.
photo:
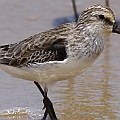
column 94, row 95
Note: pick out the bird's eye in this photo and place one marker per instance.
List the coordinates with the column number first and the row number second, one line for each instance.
column 102, row 17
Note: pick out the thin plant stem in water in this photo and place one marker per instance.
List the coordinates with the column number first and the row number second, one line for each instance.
column 107, row 2
column 75, row 10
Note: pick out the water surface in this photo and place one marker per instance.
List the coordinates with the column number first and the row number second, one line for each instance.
column 94, row 95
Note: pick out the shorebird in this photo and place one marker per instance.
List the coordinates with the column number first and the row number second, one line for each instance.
column 60, row 53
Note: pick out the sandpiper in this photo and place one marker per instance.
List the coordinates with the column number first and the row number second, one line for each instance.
column 60, row 53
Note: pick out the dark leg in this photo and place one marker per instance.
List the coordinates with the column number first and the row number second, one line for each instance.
column 45, row 116
column 47, row 104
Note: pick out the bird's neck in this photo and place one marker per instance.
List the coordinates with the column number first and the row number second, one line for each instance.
column 89, row 41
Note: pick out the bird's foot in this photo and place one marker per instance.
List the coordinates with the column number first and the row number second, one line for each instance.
column 47, row 104
column 49, row 107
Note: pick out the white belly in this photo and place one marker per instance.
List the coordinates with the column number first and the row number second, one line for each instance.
column 49, row 72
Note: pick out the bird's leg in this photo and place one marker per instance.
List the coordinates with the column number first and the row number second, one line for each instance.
column 42, row 92
column 49, row 106
column 45, row 115
column 47, row 103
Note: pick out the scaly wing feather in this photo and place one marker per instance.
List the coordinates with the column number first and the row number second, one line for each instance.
column 42, row 47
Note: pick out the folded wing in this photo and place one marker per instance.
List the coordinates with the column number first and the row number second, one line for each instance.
column 42, row 47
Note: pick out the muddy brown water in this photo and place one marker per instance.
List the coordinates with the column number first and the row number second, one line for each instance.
column 94, row 95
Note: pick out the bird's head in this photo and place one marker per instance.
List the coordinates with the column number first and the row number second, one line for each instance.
column 99, row 18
